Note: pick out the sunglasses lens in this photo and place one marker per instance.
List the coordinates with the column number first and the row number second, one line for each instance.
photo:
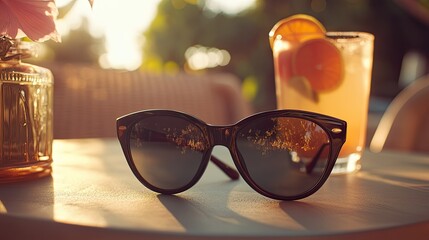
column 284, row 156
column 167, row 151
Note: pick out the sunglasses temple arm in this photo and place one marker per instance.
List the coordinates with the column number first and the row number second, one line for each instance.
column 309, row 167
column 231, row 172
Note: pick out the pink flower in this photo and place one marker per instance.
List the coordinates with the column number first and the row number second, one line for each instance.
column 32, row 18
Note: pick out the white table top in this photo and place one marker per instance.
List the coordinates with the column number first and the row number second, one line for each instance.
column 92, row 194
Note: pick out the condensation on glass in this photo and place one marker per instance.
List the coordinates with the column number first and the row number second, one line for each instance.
column 26, row 125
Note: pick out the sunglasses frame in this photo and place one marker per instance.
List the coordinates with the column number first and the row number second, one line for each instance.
column 225, row 135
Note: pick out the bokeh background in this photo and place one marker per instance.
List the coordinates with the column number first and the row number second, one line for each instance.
column 200, row 36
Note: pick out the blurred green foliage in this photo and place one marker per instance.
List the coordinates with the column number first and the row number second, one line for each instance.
column 79, row 46
column 180, row 24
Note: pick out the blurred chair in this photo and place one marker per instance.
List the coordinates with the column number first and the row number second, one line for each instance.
column 87, row 100
column 405, row 124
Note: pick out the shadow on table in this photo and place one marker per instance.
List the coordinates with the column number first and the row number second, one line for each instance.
column 370, row 199
column 213, row 216
column 14, row 197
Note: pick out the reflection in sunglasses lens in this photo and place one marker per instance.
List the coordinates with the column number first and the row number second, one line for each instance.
column 284, row 156
column 167, row 151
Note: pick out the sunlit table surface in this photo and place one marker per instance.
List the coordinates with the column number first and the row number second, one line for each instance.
column 92, row 194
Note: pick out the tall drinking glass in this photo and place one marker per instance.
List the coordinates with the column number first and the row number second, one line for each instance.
column 329, row 75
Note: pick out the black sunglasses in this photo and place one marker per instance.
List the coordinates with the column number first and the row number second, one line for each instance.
column 282, row 154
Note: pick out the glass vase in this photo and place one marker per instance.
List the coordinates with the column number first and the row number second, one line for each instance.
column 26, row 131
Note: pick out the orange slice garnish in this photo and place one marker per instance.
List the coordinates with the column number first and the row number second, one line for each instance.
column 321, row 63
column 298, row 28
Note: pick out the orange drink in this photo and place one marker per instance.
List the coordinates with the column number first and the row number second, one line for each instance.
column 325, row 72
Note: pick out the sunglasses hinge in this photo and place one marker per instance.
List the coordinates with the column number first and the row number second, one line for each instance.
column 121, row 130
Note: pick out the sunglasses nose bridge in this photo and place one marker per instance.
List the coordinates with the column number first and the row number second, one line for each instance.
column 222, row 135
